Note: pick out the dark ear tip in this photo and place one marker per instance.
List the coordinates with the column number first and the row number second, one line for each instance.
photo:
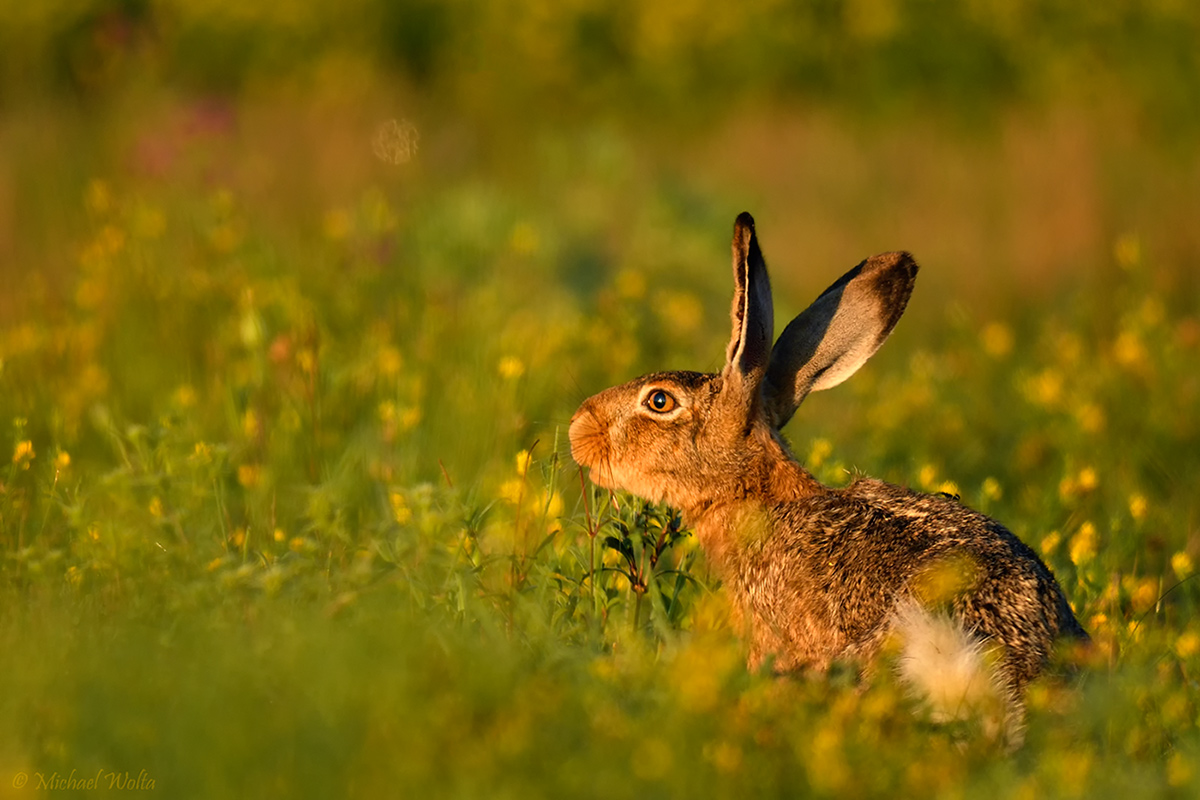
column 744, row 241
column 892, row 277
column 906, row 262
column 897, row 263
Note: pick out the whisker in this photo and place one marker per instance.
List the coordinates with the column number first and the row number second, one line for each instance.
column 574, row 382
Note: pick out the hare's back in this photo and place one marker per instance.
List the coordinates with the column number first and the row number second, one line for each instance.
column 1009, row 593
column 943, row 526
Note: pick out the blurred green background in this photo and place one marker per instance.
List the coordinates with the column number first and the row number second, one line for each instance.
column 296, row 301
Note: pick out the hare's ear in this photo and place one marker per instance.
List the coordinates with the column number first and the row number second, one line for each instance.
column 835, row 336
column 753, row 319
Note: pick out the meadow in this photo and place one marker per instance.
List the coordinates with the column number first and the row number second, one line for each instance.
column 296, row 304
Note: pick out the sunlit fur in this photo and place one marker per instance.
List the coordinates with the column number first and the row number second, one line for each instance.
column 819, row 574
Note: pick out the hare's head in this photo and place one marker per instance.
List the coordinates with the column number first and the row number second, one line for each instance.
column 690, row 438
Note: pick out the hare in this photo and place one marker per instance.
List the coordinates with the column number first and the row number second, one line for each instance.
column 819, row 574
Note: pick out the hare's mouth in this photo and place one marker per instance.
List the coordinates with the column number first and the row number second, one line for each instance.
column 602, row 476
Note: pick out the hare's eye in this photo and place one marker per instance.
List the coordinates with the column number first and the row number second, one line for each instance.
column 660, row 401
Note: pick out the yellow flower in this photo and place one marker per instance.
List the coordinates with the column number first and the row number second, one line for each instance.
column 997, row 339
column 1090, row 417
column 23, row 454
column 992, row 489
column 249, row 475
column 512, row 490
column 185, row 396
column 403, row 419
column 1067, row 487
column 410, row 416
column 944, row 579
column 280, row 535
column 511, row 368
column 1087, row 479
column 390, row 361
column 238, row 538
column 1180, row 770
column 202, row 453
column 1137, row 507
column 1083, row 544
column 156, row 507
column 524, row 459
column 62, row 460
column 306, row 359
column 1181, row 564
column 1050, row 542
column 1145, row 595
column 251, row 426
column 554, row 505
column 1188, row 644
column 949, row 487
column 821, row 449
column 1045, row 388
column 1128, row 350
column 400, row 510
column 927, row 476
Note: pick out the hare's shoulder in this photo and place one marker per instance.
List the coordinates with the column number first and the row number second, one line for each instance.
column 870, row 525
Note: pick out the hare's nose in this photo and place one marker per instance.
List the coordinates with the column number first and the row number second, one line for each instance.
column 583, row 419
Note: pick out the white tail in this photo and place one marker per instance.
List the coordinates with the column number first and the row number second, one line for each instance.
column 952, row 670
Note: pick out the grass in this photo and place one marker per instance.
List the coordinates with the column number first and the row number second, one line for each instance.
column 286, row 506
column 281, row 529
